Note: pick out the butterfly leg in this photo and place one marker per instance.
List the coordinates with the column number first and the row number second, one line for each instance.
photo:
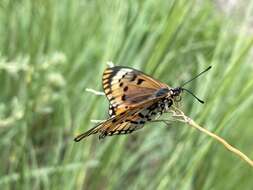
column 102, row 135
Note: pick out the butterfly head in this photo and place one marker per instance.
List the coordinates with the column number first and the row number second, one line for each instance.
column 176, row 91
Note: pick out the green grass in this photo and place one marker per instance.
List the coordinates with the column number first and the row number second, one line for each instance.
column 50, row 51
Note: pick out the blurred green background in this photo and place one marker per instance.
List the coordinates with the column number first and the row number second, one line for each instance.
column 52, row 50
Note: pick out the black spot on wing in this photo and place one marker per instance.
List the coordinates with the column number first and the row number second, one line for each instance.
column 111, row 98
column 121, row 132
column 123, row 98
column 139, row 81
column 141, row 115
column 134, row 77
column 134, row 122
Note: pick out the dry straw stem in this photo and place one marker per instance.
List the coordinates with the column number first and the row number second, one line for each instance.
column 180, row 116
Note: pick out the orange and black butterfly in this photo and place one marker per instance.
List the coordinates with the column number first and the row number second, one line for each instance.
column 135, row 99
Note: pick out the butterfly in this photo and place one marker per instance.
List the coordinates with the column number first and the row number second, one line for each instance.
column 135, row 98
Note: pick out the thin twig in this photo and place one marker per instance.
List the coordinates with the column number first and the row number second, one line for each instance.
column 177, row 113
column 97, row 120
column 180, row 116
column 98, row 93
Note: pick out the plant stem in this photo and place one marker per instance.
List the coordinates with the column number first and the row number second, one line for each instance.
column 183, row 118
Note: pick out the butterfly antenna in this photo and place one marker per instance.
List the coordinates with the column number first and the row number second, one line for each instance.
column 201, row 101
column 196, row 77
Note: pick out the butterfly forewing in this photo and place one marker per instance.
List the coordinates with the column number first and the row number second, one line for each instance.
column 126, row 87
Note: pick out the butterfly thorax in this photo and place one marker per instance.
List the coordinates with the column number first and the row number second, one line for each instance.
column 170, row 93
column 163, row 105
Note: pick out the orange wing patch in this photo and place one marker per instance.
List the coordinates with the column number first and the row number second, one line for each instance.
column 126, row 87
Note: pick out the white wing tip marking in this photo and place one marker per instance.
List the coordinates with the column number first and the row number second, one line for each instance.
column 110, row 64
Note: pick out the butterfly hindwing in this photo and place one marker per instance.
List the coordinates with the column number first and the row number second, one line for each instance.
column 128, row 121
column 124, row 123
column 126, row 87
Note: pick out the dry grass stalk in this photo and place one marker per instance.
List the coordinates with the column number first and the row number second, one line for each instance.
column 180, row 116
